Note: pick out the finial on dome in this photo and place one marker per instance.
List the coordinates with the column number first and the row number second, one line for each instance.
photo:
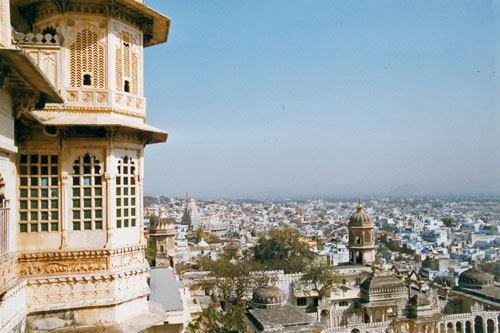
column 474, row 264
column 360, row 206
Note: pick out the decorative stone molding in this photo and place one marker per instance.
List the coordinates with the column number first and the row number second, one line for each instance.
column 80, row 262
column 93, row 109
column 34, row 268
column 7, row 271
column 65, row 292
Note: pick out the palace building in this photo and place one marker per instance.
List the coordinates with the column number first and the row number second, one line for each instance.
column 72, row 138
column 387, row 301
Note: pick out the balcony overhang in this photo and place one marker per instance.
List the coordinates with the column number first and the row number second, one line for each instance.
column 22, row 73
column 155, row 25
column 56, row 119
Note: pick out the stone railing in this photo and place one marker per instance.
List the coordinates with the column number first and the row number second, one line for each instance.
column 359, row 326
column 469, row 315
column 37, row 39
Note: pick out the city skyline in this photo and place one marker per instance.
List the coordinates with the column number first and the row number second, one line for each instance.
column 325, row 97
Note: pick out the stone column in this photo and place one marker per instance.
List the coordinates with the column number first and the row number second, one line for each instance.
column 140, row 195
column 140, row 208
column 110, row 180
column 64, row 199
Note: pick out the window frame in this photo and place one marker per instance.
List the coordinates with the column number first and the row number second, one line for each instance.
column 126, row 193
column 39, row 192
column 87, row 194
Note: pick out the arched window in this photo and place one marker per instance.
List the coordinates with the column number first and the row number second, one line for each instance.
column 38, row 193
column 86, row 60
column 87, row 81
column 127, row 62
column 126, row 188
column 87, row 197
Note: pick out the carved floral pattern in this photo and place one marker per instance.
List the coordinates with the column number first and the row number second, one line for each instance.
column 79, row 262
column 87, row 97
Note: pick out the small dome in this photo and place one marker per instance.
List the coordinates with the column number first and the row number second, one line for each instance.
column 161, row 226
column 360, row 218
column 381, row 281
column 268, row 296
column 475, row 278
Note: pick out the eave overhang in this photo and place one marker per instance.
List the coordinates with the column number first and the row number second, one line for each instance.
column 56, row 119
column 28, row 75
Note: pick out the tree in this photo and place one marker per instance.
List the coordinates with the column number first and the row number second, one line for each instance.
column 213, row 321
column 150, row 252
column 448, row 221
column 387, row 228
column 235, row 278
column 199, row 235
column 320, row 278
column 320, row 244
column 283, row 250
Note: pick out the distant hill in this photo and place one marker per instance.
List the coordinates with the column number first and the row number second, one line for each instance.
column 149, row 200
column 407, row 189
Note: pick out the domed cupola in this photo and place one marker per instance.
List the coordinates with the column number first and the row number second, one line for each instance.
column 360, row 218
column 361, row 237
column 268, row 296
column 475, row 278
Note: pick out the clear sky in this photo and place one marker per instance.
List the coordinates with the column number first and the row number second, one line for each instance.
column 304, row 97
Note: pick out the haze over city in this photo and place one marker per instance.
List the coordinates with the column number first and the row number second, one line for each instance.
column 327, row 97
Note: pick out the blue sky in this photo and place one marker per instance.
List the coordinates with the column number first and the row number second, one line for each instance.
column 297, row 97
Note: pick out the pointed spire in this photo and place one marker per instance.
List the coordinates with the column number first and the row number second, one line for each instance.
column 359, row 207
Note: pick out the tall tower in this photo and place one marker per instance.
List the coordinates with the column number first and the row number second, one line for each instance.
column 361, row 238
column 191, row 217
column 79, row 234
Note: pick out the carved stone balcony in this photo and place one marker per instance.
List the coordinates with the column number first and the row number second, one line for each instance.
column 44, row 50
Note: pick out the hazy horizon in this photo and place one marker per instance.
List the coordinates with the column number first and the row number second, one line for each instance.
column 324, row 97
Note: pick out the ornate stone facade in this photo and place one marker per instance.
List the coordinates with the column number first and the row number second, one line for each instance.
column 72, row 135
column 390, row 303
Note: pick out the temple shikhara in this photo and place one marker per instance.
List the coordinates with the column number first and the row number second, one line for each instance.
column 72, row 135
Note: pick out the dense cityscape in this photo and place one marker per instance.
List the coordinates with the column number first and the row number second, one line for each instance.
column 433, row 240
column 461, row 229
